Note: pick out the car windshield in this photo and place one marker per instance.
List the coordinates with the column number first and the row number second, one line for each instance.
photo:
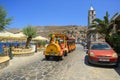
column 99, row 46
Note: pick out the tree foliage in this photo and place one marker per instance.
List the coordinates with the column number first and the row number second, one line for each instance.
column 50, row 35
column 4, row 21
column 114, row 41
column 30, row 32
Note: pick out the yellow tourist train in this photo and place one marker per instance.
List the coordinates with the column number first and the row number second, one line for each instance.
column 60, row 45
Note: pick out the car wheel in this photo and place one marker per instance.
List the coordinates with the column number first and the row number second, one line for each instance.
column 88, row 61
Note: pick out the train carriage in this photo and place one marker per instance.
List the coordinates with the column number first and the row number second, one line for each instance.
column 71, row 43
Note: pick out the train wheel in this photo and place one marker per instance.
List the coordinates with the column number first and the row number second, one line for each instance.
column 65, row 53
column 47, row 57
column 70, row 51
column 56, row 58
column 60, row 58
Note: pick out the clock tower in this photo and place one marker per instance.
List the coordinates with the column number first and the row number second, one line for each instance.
column 91, row 15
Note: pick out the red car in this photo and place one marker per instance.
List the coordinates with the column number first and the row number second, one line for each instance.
column 101, row 53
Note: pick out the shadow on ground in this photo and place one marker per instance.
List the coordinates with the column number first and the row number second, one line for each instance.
column 50, row 59
column 117, row 69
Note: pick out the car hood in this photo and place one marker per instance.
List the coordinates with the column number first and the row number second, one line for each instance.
column 103, row 52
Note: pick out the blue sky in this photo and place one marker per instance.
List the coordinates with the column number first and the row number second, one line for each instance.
column 56, row 12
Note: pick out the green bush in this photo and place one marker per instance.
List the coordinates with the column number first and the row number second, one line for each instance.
column 41, row 43
column 114, row 41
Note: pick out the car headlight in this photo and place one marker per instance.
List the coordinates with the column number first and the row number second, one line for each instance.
column 115, row 55
column 92, row 54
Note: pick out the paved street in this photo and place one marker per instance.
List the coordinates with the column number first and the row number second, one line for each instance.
column 72, row 67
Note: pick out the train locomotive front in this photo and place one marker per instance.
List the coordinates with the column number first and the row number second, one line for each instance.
column 57, row 48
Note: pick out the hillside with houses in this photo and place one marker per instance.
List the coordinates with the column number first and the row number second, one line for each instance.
column 44, row 31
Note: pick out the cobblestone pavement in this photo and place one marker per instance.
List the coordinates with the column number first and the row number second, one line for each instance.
column 72, row 67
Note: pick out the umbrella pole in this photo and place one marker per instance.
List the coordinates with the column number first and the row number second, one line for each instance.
column 10, row 51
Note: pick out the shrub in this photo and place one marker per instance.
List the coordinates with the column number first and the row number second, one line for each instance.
column 41, row 43
column 114, row 41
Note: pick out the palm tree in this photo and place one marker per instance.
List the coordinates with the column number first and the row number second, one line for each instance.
column 3, row 20
column 30, row 32
column 102, row 26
